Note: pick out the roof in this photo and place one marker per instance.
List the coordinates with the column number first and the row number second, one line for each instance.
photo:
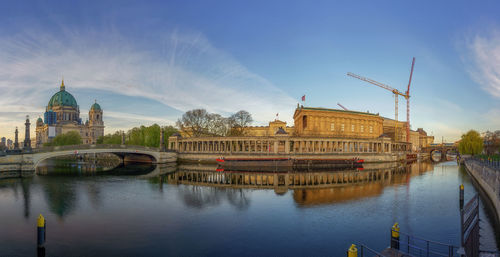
column 336, row 110
column 62, row 98
column 96, row 107
column 280, row 131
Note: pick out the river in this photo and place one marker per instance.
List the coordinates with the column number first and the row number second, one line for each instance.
column 93, row 211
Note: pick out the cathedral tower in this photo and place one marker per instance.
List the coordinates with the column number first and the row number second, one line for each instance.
column 96, row 125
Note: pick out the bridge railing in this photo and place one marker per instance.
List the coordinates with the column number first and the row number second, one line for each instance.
column 87, row 147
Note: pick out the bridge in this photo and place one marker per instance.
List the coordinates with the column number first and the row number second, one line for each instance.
column 29, row 160
column 443, row 148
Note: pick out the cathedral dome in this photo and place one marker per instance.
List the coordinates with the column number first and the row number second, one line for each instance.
column 96, row 107
column 62, row 98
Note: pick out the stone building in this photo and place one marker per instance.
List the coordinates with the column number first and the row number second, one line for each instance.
column 270, row 130
column 62, row 115
column 313, row 122
column 323, row 122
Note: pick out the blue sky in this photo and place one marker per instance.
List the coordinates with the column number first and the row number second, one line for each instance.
column 150, row 61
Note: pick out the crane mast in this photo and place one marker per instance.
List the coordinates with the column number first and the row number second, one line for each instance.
column 396, row 93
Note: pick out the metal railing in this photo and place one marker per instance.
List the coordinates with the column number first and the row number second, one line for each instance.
column 417, row 246
column 370, row 252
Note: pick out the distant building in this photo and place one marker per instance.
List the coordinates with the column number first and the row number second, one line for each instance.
column 3, row 142
column 10, row 144
column 270, row 130
column 62, row 115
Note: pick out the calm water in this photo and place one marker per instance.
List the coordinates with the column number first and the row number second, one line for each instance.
column 133, row 211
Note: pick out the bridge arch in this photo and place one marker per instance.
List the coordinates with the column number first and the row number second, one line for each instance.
column 41, row 156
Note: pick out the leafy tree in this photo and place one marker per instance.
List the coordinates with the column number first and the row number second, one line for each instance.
column 471, row 143
column 70, row 138
column 168, row 132
column 111, row 139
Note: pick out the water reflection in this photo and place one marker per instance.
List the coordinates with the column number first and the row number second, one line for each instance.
column 162, row 210
column 309, row 188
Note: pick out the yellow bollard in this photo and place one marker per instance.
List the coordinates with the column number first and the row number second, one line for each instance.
column 461, row 196
column 353, row 251
column 395, row 236
column 41, row 225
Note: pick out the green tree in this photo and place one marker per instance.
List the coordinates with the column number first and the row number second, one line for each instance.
column 471, row 143
column 168, row 132
column 111, row 139
column 70, row 138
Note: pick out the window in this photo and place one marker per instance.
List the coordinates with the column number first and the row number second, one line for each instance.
column 371, row 129
column 362, row 128
column 332, row 126
column 342, row 127
column 304, row 122
column 352, row 128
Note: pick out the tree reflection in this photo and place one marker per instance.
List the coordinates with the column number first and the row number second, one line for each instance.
column 61, row 197
column 200, row 197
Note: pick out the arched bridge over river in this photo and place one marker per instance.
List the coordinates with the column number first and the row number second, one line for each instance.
column 28, row 161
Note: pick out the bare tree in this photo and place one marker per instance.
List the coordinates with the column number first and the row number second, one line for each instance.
column 239, row 121
column 194, row 122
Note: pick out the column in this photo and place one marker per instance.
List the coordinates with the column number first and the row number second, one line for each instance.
column 287, row 146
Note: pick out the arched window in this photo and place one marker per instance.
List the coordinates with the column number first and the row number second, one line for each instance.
column 304, row 122
column 97, row 116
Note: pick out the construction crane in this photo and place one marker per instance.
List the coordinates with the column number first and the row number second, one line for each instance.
column 396, row 93
column 345, row 109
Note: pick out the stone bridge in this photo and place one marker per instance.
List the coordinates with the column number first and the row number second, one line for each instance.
column 443, row 148
column 28, row 161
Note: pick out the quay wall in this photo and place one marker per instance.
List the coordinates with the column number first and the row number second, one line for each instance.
column 368, row 157
column 488, row 178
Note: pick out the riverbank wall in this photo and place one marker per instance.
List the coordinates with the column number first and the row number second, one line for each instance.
column 488, row 178
column 367, row 157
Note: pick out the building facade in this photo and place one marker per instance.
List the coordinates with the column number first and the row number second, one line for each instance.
column 270, row 130
column 323, row 122
column 62, row 115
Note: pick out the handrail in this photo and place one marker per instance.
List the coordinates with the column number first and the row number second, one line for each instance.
column 362, row 254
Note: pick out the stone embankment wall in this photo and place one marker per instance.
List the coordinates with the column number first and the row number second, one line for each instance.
column 487, row 174
column 368, row 157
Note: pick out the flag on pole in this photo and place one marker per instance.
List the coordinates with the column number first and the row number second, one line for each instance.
column 303, row 98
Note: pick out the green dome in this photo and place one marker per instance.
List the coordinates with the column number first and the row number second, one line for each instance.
column 95, row 107
column 62, row 98
column 39, row 120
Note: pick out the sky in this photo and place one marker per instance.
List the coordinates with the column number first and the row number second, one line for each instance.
column 148, row 62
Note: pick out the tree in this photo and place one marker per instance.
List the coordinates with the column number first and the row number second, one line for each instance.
column 471, row 143
column 111, row 139
column 194, row 122
column 238, row 122
column 168, row 132
column 70, row 138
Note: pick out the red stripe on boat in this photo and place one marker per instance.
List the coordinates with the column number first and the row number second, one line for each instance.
column 219, row 160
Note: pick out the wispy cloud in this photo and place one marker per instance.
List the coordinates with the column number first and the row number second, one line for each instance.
column 180, row 70
column 483, row 60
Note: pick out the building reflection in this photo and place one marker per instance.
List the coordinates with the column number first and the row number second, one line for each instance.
column 308, row 188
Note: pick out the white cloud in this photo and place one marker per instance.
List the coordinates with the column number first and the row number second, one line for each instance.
column 181, row 70
column 483, row 60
